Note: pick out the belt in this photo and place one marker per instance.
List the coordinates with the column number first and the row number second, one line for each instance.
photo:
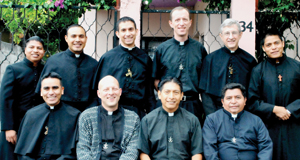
column 190, row 97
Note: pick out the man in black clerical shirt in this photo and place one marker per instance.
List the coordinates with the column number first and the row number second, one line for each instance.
column 181, row 57
column 274, row 95
column 169, row 131
column 229, row 64
column 49, row 130
column 108, row 131
column 17, row 94
column 232, row 133
column 76, row 69
column 131, row 66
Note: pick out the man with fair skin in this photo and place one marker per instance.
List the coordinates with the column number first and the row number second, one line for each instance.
column 181, row 57
column 170, row 132
column 229, row 64
column 76, row 69
column 131, row 66
column 49, row 130
column 232, row 133
column 17, row 94
column 108, row 131
column 274, row 95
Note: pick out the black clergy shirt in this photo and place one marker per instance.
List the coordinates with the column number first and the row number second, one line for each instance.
column 182, row 60
column 166, row 135
column 132, row 68
column 17, row 92
column 219, row 68
column 278, row 84
column 77, row 77
column 111, row 133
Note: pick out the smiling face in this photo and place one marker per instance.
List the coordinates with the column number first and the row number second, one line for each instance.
column 51, row 91
column 234, row 101
column 170, row 96
column 109, row 92
column 34, row 51
column 273, row 46
column 76, row 39
column 231, row 37
column 127, row 34
column 181, row 23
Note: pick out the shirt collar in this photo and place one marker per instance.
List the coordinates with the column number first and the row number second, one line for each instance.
column 230, row 115
column 29, row 63
column 229, row 51
column 180, row 43
column 127, row 49
column 71, row 54
column 273, row 60
column 172, row 114
column 104, row 111
column 55, row 107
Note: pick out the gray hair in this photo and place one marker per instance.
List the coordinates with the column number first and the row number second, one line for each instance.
column 230, row 22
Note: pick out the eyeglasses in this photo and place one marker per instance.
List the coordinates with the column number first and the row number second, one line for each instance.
column 234, row 34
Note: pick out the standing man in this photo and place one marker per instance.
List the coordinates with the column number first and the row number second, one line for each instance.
column 229, row 64
column 169, row 131
column 232, row 133
column 17, row 94
column 274, row 95
column 49, row 130
column 108, row 131
column 76, row 69
column 181, row 57
column 131, row 66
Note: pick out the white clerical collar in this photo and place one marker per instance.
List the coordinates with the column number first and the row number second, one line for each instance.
column 171, row 114
column 128, row 48
column 234, row 116
column 51, row 107
column 110, row 113
column 181, row 43
column 77, row 55
column 232, row 51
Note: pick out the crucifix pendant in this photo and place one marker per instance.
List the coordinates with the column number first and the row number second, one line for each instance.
column 181, row 67
column 170, row 139
column 105, row 146
column 129, row 73
column 46, row 132
column 230, row 69
column 280, row 78
column 233, row 140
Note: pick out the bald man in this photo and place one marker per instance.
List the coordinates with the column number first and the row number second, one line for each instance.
column 108, row 131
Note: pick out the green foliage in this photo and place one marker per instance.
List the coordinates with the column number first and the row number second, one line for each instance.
column 45, row 18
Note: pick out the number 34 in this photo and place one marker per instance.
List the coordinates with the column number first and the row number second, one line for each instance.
column 244, row 27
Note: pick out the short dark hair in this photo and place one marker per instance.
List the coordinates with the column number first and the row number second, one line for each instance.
column 177, row 9
column 233, row 86
column 169, row 79
column 125, row 19
column 271, row 32
column 75, row 25
column 52, row 75
column 35, row 38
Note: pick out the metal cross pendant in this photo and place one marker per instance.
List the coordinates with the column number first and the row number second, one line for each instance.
column 129, row 73
column 280, row 78
column 181, row 67
column 230, row 69
column 234, row 140
column 105, row 146
column 170, row 140
column 46, row 132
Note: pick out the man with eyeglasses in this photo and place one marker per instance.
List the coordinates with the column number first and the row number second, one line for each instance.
column 229, row 64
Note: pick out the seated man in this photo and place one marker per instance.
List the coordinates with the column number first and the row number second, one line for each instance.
column 108, row 131
column 232, row 133
column 49, row 130
column 170, row 132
